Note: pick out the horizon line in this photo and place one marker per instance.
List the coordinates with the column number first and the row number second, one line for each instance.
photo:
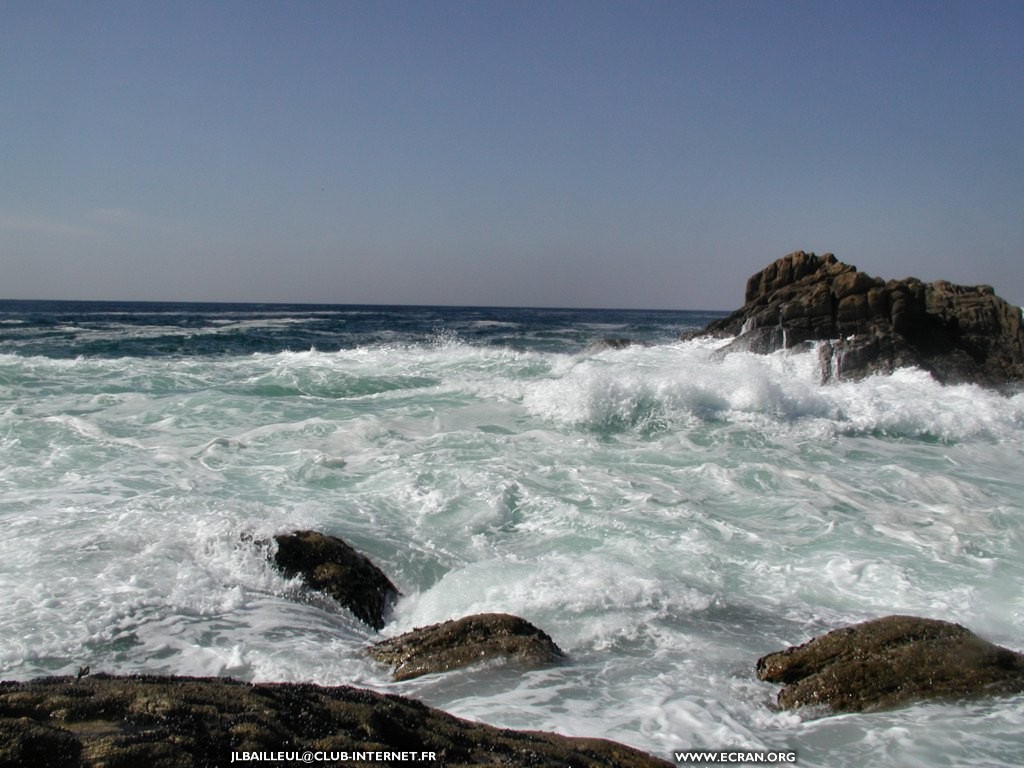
column 208, row 302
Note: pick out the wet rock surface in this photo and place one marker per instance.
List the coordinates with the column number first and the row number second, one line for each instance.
column 470, row 640
column 329, row 565
column 332, row 566
column 889, row 662
column 160, row 722
column 957, row 333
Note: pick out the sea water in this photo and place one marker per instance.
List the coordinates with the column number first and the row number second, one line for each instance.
column 666, row 514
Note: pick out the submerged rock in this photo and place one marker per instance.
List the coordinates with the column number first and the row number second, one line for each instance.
column 330, row 565
column 890, row 662
column 612, row 343
column 957, row 333
column 459, row 643
column 165, row 722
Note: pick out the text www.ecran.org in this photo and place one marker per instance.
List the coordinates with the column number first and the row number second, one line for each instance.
column 737, row 756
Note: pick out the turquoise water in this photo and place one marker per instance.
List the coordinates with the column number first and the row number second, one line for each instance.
column 666, row 515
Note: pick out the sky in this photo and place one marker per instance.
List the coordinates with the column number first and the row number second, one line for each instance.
column 516, row 153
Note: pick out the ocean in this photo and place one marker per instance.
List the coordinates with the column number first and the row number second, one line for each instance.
column 665, row 514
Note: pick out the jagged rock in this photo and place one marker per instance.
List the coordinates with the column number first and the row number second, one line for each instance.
column 169, row 722
column 957, row 333
column 330, row 565
column 890, row 662
column 458, row 643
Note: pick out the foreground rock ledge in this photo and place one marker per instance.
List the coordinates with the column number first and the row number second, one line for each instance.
column 959, row 334
column 161, row 722
column 470, row 640
column 889, row 662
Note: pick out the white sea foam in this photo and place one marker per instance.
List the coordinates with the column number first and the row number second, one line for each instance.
column 665, row 514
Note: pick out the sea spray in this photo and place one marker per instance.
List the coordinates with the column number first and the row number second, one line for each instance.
column 666, row 514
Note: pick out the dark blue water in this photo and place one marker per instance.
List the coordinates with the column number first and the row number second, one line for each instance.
column 62, row 329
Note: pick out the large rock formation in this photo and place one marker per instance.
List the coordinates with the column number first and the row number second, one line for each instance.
column 170, row 722
column 330, row 565
column 889, row 662
column 957, row 333
column 470, row 640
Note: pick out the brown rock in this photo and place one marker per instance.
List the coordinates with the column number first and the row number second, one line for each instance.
column 878, row 301
column 852, row 307
column 851, row 283
column 459, row 643
column 169, row 722
column 889, row 662
column 957, row 333
column 330, row 565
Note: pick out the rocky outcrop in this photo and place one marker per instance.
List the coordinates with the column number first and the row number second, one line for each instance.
column 890, row 662
column 470, row 640
column 160, row 722
column 330, row 565
column 957, row 333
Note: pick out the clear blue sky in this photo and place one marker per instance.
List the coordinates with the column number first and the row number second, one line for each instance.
column 616, row 154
